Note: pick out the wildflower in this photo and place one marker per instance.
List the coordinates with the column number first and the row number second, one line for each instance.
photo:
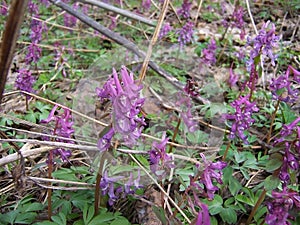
column 281, row 87
column 25, row 80
column 191, row 88
column 281, row 206
column 160, row 161
column 126, row 105
column 33, row 8
column 263, row 44
column 242, row 117
column 203, row 215
column 209, row 53
column 185, row 9
column 165, row 30
column 209, row 171
column 63, row 128
column 185, row 34
column 146, row 4
column 233, row 78
column 70, row 20
column 4, row 8
column 34, row 53
column 186, row 112
column 104, row 142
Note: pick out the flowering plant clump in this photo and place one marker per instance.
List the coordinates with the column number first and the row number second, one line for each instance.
column 124, row 94
column 263, row 44
column 185, row 9
column 209, row 53
column 160, row 160
column 242, row 118
column 63, row 128
column 25, row 81
column 185, row 34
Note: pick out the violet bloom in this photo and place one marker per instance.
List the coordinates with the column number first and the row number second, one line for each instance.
column 34, row 54
column 233, row 78
column 209, row 53
column 185, row 34
column 25, row 81
column 146, row 4
column 63, row 128
column 186, row 112
column 280, row 207
column 287, row 130
column 126, row 105
column 242, row 118
column 160, row 161
column 33, row 8
column 185, row 9
column 281, row 87
column 263, row 44
column 104, row 142
column 209, row 172
column 4, row 8
column 203, row 215
column 70, row 20
column 164, row 30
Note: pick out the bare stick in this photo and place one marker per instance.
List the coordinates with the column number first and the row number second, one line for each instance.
column 117, row 10
column 122, row 41
column 13, row 24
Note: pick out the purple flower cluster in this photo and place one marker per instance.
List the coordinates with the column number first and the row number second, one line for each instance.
column 25, row 80
column 63, row 128
column 164, row 31
column 263, row 44
column 109, row 186
column 209, row 172
column 4, row 8
column 281, row 87
column 237, row 21
column 146, row 4
column 242, row 117
column 126, row 105
column 37, row 29
column 160, row 160
column 70, row 20
column 209, row 53
column 281, row 206
column 185, row 9
column 185, row 105
column 233, row 78
column 185, row 34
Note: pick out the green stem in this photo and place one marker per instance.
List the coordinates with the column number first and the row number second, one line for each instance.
column 258, row 203
column 271, row 125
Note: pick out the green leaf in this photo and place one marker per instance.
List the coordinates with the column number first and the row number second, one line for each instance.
column 271, row 182
column 59, row 219
column 102, row 219
column 228, row 215
column 159, row 212
column 35, row 206
column 260, row 213
column 234, row 185
column 120, row 221
column 274, row 163
column 25, row 218
column 244, row 199
column 45, row 223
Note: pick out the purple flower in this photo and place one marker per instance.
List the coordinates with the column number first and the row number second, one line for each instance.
column 209, row 53
column 233, row 78
column 191, row 88
column 70, row 20
column 33, row 8
column 63, row 128
column 203, row 215
column 4, row 8
column 146, row 4
column 281, row 87
column 104, row 142
column 126, row 105
column 164, row 31
column 209, row 172
column 185, row 34
column 242, row 117
column 160, row 161
column 281, row 206
column 185, row 9
column 34, row 53
column 186, row 112
column 263, row 44
column 25, row 81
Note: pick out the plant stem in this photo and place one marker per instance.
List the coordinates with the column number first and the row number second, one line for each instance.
column 175, row 134
column 49, row 191
column 226, row 151
column 271, row 125
column 258, row 203
column 97, row 191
